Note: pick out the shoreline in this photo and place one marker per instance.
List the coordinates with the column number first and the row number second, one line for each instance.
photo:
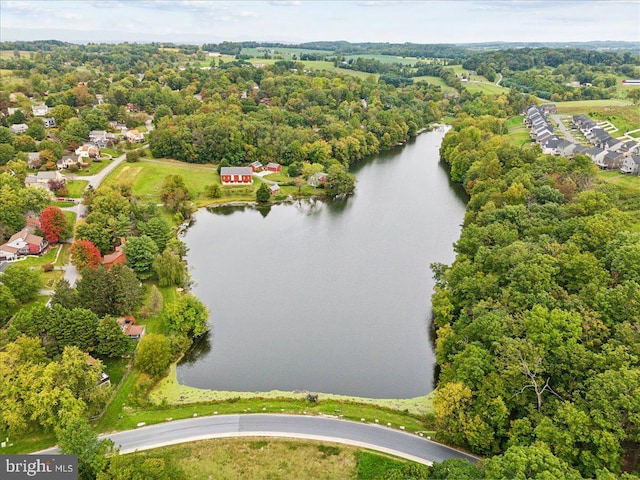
column 170, row 391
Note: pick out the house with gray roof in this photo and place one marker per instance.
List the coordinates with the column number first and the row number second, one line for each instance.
column 631, row 165
column 612, row 143
column 611, row 161
column 596, row 154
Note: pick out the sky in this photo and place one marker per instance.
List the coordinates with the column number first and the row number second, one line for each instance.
column 198, row 21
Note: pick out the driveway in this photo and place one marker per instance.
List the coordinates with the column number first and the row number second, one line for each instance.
column 375, row 437
column 567, row 134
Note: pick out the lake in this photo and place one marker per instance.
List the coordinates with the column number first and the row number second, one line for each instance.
column 329, row 297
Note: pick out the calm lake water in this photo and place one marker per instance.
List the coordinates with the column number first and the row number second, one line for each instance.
column 328, row 297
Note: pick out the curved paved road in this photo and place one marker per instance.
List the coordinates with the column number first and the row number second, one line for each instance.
column 406, row 445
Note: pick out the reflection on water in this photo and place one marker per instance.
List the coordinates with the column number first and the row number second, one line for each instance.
column 328, row 296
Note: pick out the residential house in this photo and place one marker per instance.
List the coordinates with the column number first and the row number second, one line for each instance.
column 133, row 136
column 596, row 154
column 98, row 138
column 274, row 167
column 49, row 122
column 631, row 164
column 611, row 161
column 42, row 179
column 548, row 108
column 19, row 128
column 116, row 257
column 236, row 176
column 40, row 110
column 318, row 179
column 565, row 148
column 550, row 145
column 598, row 137
column 130, row 329
column 33, row 223
column 256, row 166
column 613, row 144
column 12, row 110
column 33, row 160
column 580, row 149
column 99, row 98
column 273, row 189
column 629, row 148
column 68, row 160
column 22, row 243
column 88, row 151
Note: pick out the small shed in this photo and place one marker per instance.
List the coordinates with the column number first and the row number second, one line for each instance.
column 256, row 166
column 273, row 189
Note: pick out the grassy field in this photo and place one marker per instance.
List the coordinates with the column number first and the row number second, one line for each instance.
column 318, row 65
column 435, row 81
column 147, row 176
column 517, row 132
column 581, row 106
column 630, row 183
column 272, row 458
column 624, row 118
column 111, row 151
column 285, row 53
column 385, row 59
column 485, row 88
column 76, row 187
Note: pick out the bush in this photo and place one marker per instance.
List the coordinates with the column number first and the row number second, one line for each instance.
column 213, row 191
column 47, row 267
column 133, row 156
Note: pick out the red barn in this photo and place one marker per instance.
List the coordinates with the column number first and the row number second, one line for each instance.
column 274, row 167
column 236, row 176
column 256, row 166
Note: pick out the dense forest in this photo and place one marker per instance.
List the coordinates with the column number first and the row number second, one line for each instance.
column 537, row 319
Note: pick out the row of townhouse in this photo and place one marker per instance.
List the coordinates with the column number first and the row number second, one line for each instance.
column 607, row 152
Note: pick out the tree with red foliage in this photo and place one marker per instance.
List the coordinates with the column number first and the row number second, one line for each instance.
column 53, row 224
column 85, row 254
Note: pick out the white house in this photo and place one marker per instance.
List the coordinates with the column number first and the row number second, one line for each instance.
column 40, row 110
column 18, row 128
column 49, row 122
column 631, row 164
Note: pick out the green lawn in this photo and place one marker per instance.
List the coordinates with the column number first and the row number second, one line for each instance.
column 147, row 176
column 111, row 151
column 623, row 118
column 76, row 187
column 93, row 168
column 48, row 257
column 71, row 219
column 62, row 204
column 515, row 122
